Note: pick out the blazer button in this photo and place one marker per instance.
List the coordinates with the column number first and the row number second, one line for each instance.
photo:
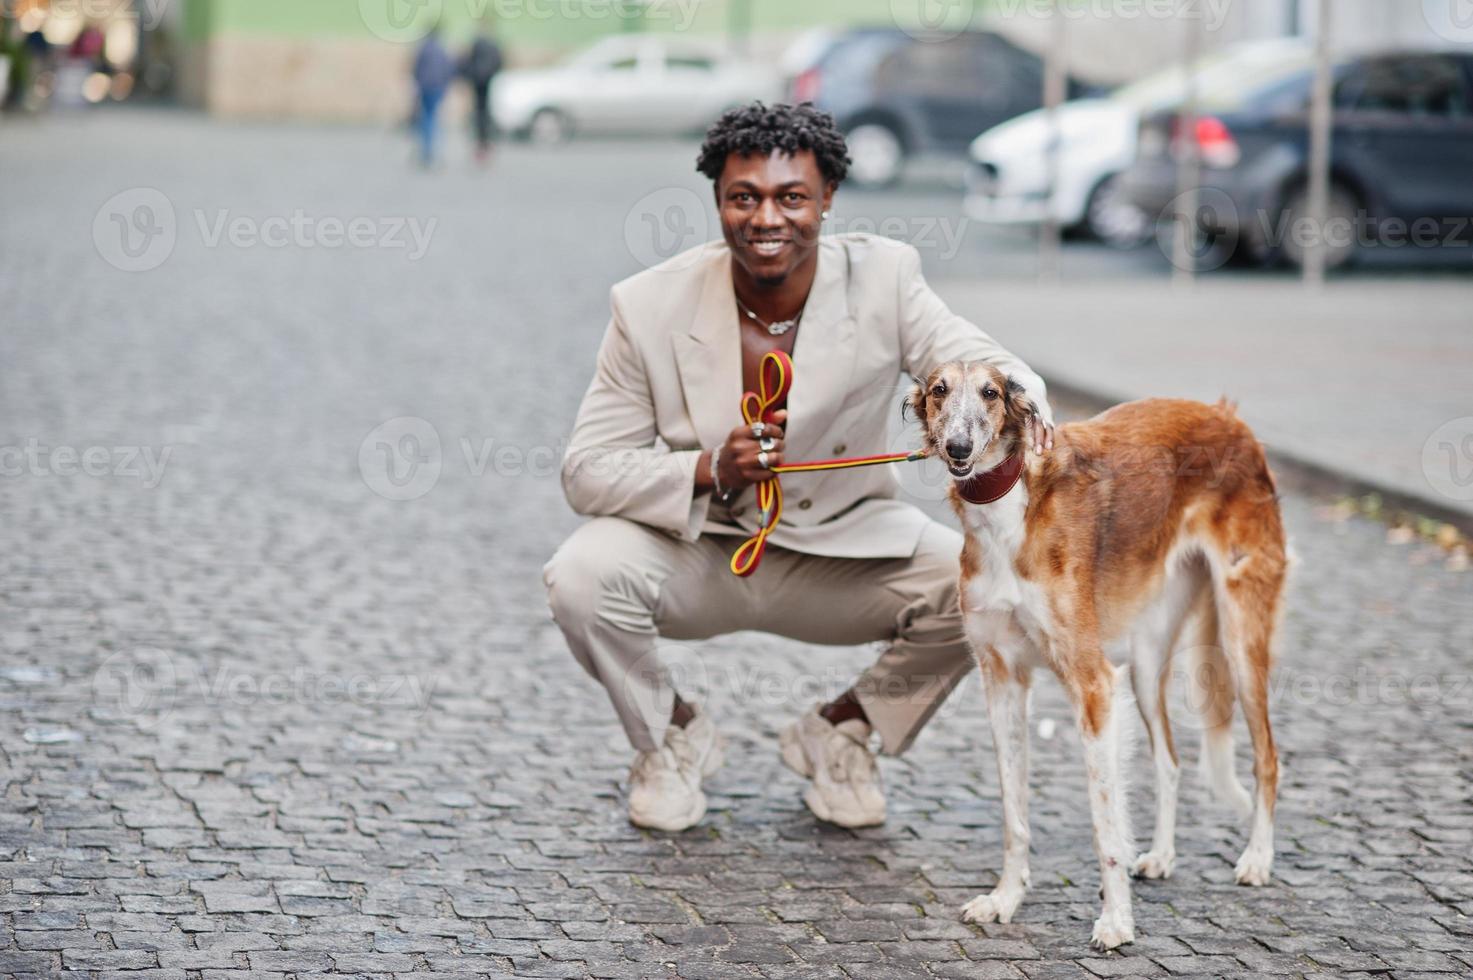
column 804, row 504
column 839, row 449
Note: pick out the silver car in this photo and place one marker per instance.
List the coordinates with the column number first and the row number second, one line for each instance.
column 629, row 84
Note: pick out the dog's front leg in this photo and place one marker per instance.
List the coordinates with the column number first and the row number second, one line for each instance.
column 1007, row 691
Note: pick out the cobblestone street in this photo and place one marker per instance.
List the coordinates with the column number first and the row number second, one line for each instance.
column 261, row 719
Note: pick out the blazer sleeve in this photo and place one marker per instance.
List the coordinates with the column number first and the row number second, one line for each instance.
column 930, row 334
column 614, row 465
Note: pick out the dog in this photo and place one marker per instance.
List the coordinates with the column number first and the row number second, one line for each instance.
column 1152, row 524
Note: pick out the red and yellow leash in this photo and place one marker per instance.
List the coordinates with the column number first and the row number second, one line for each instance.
column 775, row 379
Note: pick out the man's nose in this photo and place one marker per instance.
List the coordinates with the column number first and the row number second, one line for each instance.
column 767, row 214
column 959, row 448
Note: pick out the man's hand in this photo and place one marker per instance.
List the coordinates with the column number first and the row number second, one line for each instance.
column 739, row 465
column 1040, row 434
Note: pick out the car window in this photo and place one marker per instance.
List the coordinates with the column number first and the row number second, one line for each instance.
column 1430, row 87
column 689, row 62
column 621, row 64
column 960, row 67
column 851, row 62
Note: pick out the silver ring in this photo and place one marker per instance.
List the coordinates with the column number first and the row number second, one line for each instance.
column 762, row 459
column 758, row 428
column 767, row 444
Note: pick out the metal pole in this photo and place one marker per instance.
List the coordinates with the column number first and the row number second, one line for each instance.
column 1189, row 161
column 1055, row 87
column 1321, row 117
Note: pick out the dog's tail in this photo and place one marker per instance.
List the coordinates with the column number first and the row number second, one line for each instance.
column 1210, row 686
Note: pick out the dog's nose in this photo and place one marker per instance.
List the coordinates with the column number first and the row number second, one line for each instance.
column 959, row 448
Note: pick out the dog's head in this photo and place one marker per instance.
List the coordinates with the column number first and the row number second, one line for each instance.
column 972, row 415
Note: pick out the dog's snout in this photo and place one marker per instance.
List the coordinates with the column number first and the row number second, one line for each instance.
column 959, row 449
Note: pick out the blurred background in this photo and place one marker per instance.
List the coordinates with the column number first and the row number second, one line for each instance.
column 298, row 299
column 1082, row 175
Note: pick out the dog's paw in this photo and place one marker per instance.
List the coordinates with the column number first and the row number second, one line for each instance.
column 1153, row 864
column 1113, row 928
column 998, row 906
column 1255, row 867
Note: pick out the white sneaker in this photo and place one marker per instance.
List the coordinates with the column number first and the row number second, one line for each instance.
column 846, row 781
column 665, row 784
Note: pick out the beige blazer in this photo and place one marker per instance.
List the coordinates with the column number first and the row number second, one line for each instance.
column 669, row 383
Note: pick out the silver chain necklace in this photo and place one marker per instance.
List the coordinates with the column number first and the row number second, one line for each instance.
column 778, row 327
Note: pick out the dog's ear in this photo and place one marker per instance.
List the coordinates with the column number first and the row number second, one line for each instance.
column 915, row 402
column 1017, row 406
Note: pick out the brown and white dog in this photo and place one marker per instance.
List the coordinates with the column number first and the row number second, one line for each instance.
column 1152, row 526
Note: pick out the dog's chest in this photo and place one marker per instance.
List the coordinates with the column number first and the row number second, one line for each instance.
column 997, row 531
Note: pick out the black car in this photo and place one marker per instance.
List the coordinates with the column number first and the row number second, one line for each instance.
column 896, row 94
column 1401, row 159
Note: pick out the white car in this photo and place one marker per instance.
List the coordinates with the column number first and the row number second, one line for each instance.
column 1008, row 180
column 629, row 84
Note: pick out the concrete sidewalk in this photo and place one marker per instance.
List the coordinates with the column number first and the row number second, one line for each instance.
column 1370, row 381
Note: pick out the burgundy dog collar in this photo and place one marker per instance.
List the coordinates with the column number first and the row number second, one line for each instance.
column 993, row 485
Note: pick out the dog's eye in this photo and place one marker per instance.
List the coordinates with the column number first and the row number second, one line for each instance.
column 939, row 390
column 989, row 393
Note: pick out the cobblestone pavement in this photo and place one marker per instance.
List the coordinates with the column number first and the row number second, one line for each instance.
column 262, row 720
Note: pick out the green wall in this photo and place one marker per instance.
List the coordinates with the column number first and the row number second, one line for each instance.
column 542, row 22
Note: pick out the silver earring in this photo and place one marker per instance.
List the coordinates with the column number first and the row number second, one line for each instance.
column 825, row 214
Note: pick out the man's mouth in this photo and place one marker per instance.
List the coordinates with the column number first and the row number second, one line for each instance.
column 767, row 247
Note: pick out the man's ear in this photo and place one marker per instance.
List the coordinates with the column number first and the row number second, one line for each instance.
column 915, row 402
column 1017, row 406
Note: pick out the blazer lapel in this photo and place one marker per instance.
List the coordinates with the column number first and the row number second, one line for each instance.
column 709, row 356
column 823, row 357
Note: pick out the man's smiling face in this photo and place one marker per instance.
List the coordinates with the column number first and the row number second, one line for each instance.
column 772, row 211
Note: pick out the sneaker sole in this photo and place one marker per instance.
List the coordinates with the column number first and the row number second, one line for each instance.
column 796, row 759
column 698, row 810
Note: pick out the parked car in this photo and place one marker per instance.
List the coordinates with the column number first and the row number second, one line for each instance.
column 1008, row 182
column 1401, row 148
column 628, row 84
column 896, row 95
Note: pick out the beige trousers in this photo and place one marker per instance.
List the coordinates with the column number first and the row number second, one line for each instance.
column 617, row 587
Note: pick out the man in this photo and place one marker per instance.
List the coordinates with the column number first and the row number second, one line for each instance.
column 654, row 457
column 481, row 64
column 434, row 70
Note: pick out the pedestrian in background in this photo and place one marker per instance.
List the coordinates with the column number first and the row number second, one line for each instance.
column 482, row 62
column 434, row 70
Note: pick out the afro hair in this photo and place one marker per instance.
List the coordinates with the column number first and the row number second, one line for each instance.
column 761, row 129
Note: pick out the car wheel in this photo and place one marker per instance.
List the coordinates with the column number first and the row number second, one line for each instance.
column 877, row 152
column 1112, row 218
column 549, row 126
column 1338, row 235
